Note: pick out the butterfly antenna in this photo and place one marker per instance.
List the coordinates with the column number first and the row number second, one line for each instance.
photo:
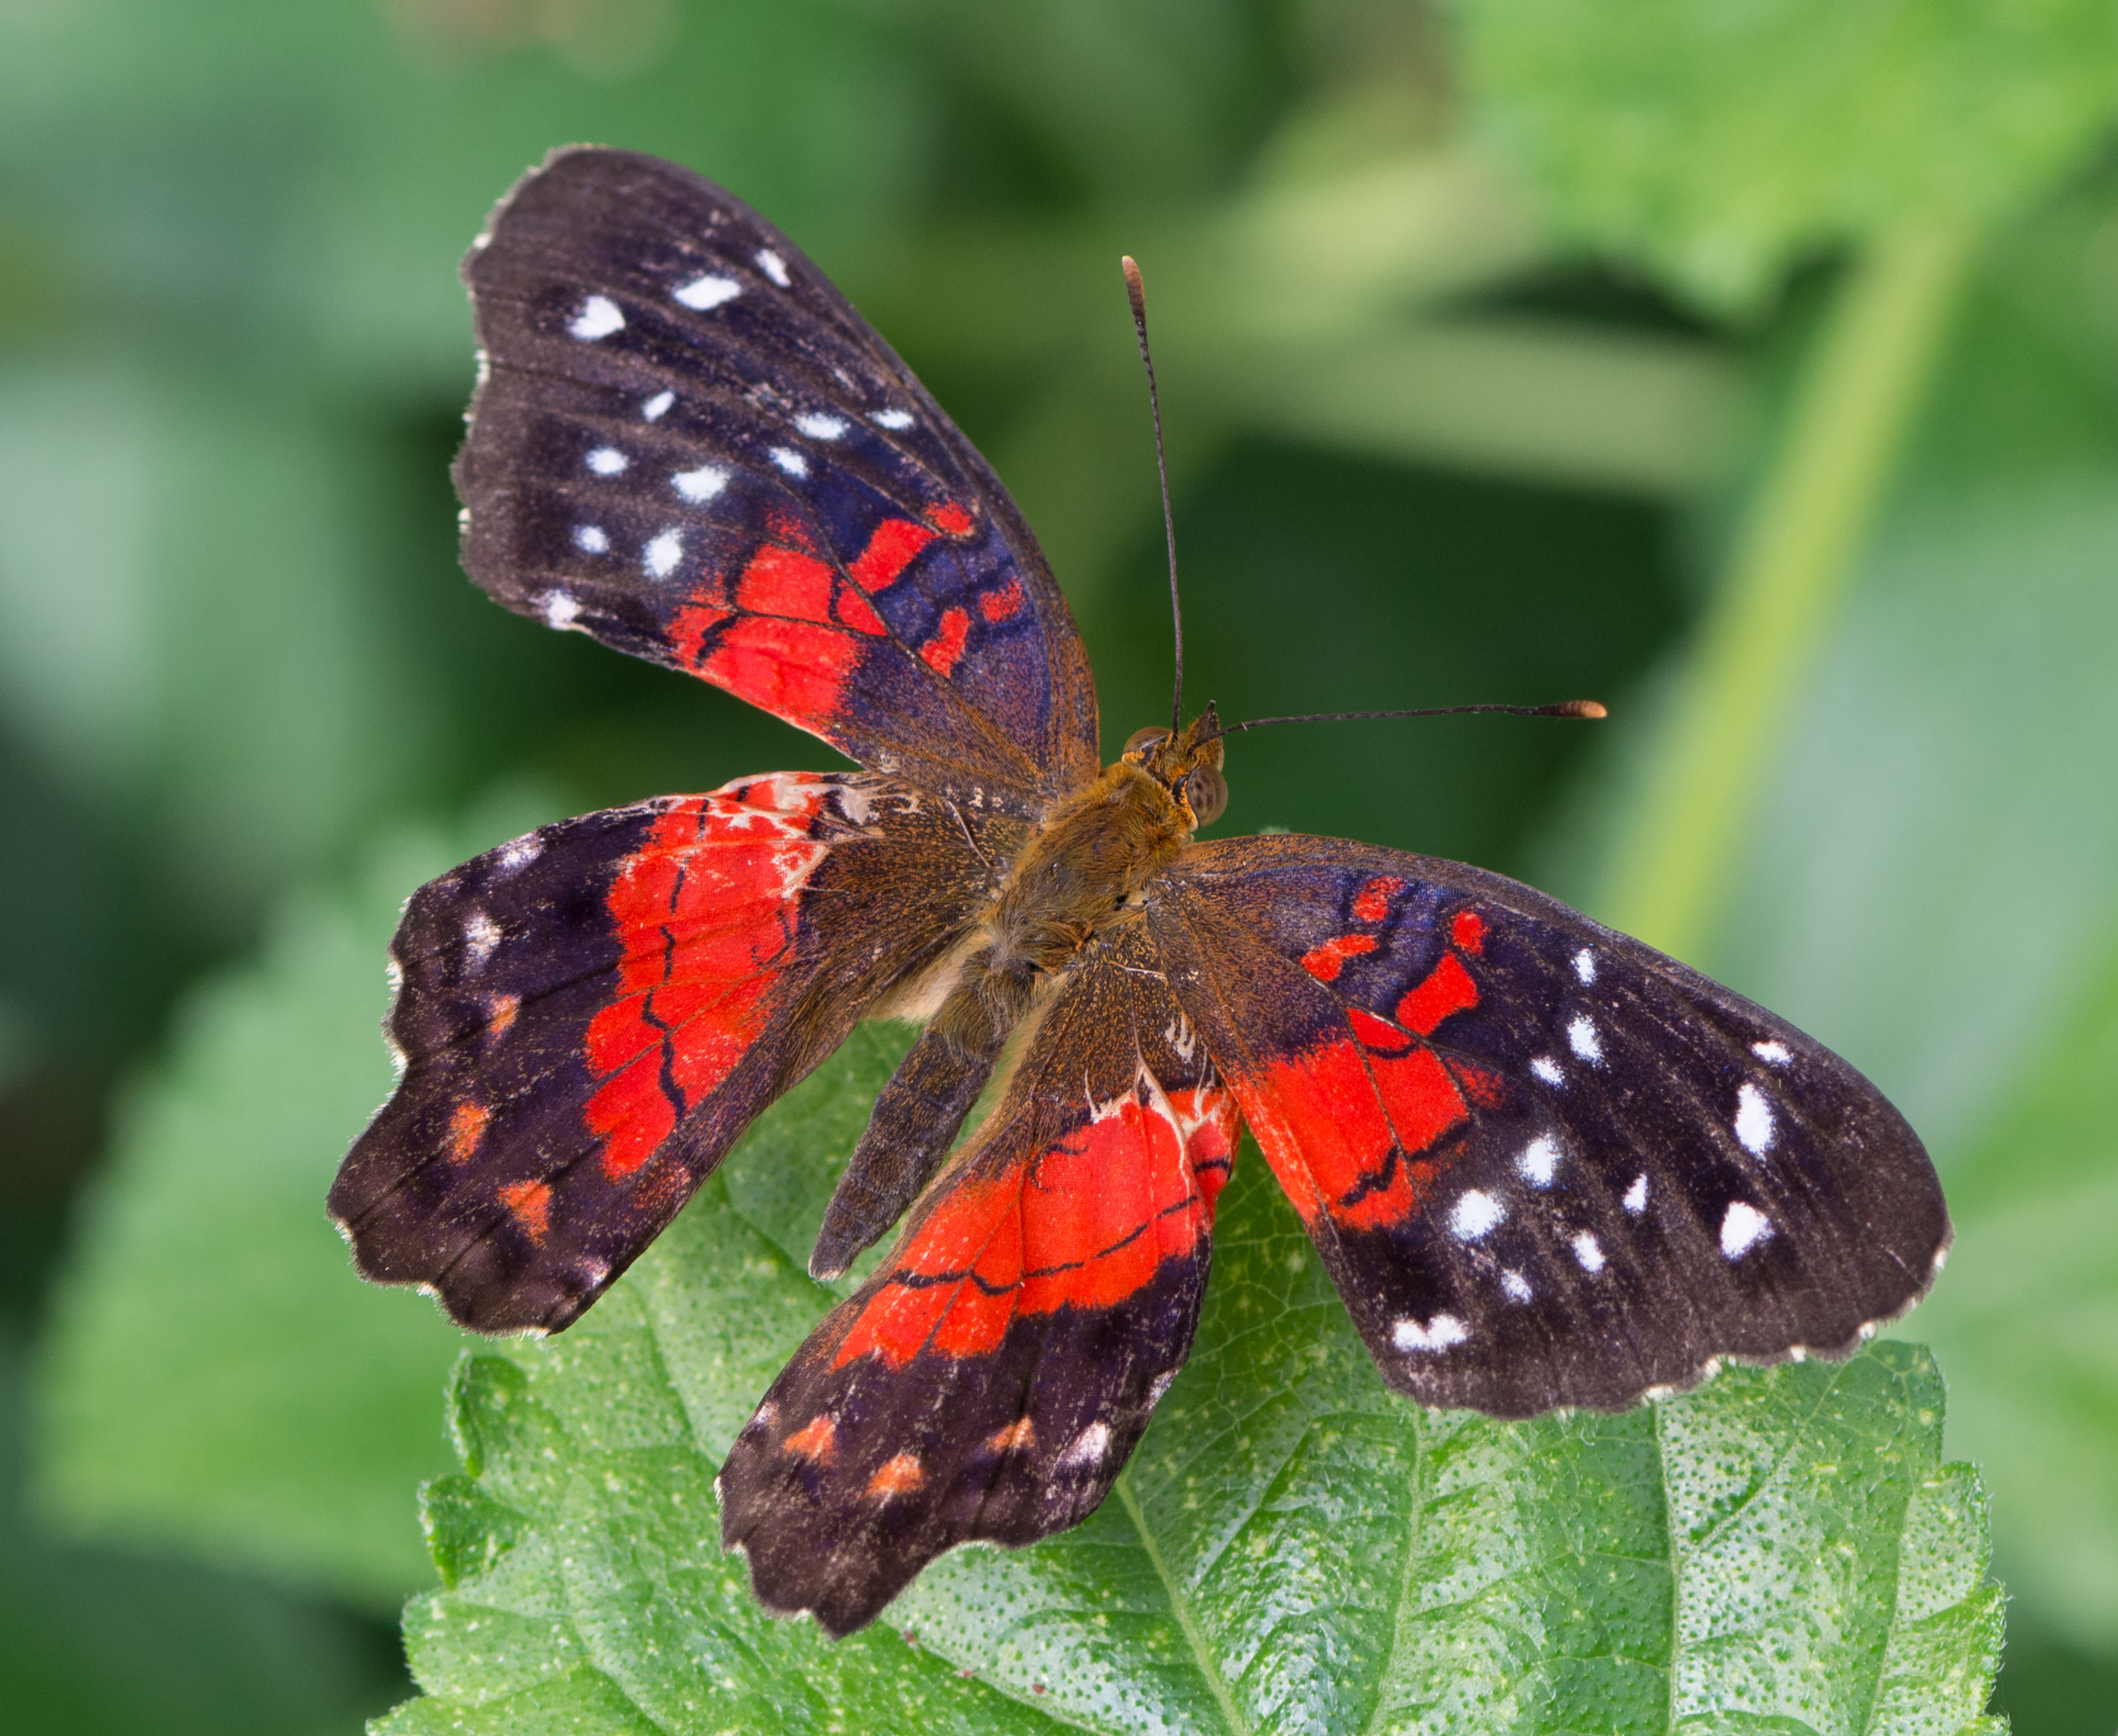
column 1564, row 708
column 1137, row 292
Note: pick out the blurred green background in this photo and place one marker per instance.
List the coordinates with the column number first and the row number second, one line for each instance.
column 1751, row 366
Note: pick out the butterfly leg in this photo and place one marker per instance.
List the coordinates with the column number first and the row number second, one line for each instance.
column 919, row 1113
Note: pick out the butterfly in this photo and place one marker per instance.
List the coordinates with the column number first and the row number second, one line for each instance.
column 1544, row 1165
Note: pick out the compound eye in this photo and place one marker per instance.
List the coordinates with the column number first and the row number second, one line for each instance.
column 1207, row 791
column 1140, row 738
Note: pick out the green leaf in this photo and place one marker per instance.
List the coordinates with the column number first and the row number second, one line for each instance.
column 1292, row 1548
column 1716, row 144
column 214, row 1374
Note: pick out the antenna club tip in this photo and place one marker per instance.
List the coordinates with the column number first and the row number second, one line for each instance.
column 1586, row 708
column 1135, row 290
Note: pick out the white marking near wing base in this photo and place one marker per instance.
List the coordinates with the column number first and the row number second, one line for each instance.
column 707, row 293
column 1742, row 1228
column 1773, row 1054
column 1584, row 1040
column 1475, row 1214
column 701, row 485
column 892, row 419
column 791, row 461
column 1087, row 1448
column 1515, row 1286
column 609, row 461
column 1584, row 966
column 661, row 555
column 1589, row 1252
column 599, row 318
column 817, row 426
column 561, row 609
column 657, row 407
column 1635, row 1201
column 591, row 539
column 773, row 267
column 1754, row 1120
column 1548, row 1070
column 1437, row 1334
column 1539, row 1162
column 481, row 936
column 1161, row 1385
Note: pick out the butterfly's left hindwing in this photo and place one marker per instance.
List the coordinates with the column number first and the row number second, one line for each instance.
column 589, row 1016
column 991, row 1379
column 1545, row 1165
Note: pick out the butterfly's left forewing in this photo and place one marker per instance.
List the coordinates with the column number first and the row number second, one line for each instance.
column 1545, row 1165
column 991, row 1379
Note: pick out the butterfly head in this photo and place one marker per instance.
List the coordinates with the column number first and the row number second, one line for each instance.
column 1187, row 765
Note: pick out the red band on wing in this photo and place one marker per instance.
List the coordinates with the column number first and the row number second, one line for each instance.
column 894, row 545
column 1084, row 1225
column 1468, row 932
column 703, row 909
column 1447, row 988
column 947, row 644
column 1325, row 962
column 1372, row 903
column 951, row 519
column 1002, row 604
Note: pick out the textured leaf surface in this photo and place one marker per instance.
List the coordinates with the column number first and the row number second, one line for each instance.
column 1717, row 143
column 1292, row 1549
column 279, row 1417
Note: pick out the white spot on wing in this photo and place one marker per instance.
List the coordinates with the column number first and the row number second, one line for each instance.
column 1437, row 1334
column 590, row 539
column 661, row 555
column 520, row 854
column 561, row 609
column 1584, row 1040
column 1742, row 1229
column 704, row 292
column 701, row 485
column 1777, row 1054
column 1636, row 1196
column 1087, row 1448
column 791, row 461
column 817, row 426
column 599, row 318
column 657, row 407
column 1589, row 1252
column 608, row 461
column 1160, row 1386
column 1475, row 1214
column 1539, row 1162
column 1548, row 1070
column 1515, row 1286
column 1584, row 966
column 1754, row 1120
column 893, row 419
column 772, row 265
column 482, row 935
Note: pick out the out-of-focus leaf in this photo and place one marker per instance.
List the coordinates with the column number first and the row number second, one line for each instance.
column 1715, row 144
column 97, row 1642
column 214, row 1376
column 1292, row 1548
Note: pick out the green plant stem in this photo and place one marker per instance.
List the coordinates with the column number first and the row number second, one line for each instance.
column 1799, row 544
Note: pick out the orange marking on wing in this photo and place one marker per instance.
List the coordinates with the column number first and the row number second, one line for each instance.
column 779, row 581
column 1020, row 1436
column 1002, row 604
column 901, row 1475
column 1422, row 1100
column 856, row 611
column 1084, row 1225
column 500, row 1011
column 1469, row 931
column 951, row 518
column 1377, row 1034
column 943, row 650
column 1324, row 963
column 689, row 626
column 631, row 1115
column 467, row 1125
column 1448, row 988
column 529, row 1204
column 1372, row 903
column 792, row 669
column 1484, row 1088
column 815, row 1442
column 894, row 545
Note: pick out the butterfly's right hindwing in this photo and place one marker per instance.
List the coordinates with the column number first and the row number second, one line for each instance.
column 588, row 1018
